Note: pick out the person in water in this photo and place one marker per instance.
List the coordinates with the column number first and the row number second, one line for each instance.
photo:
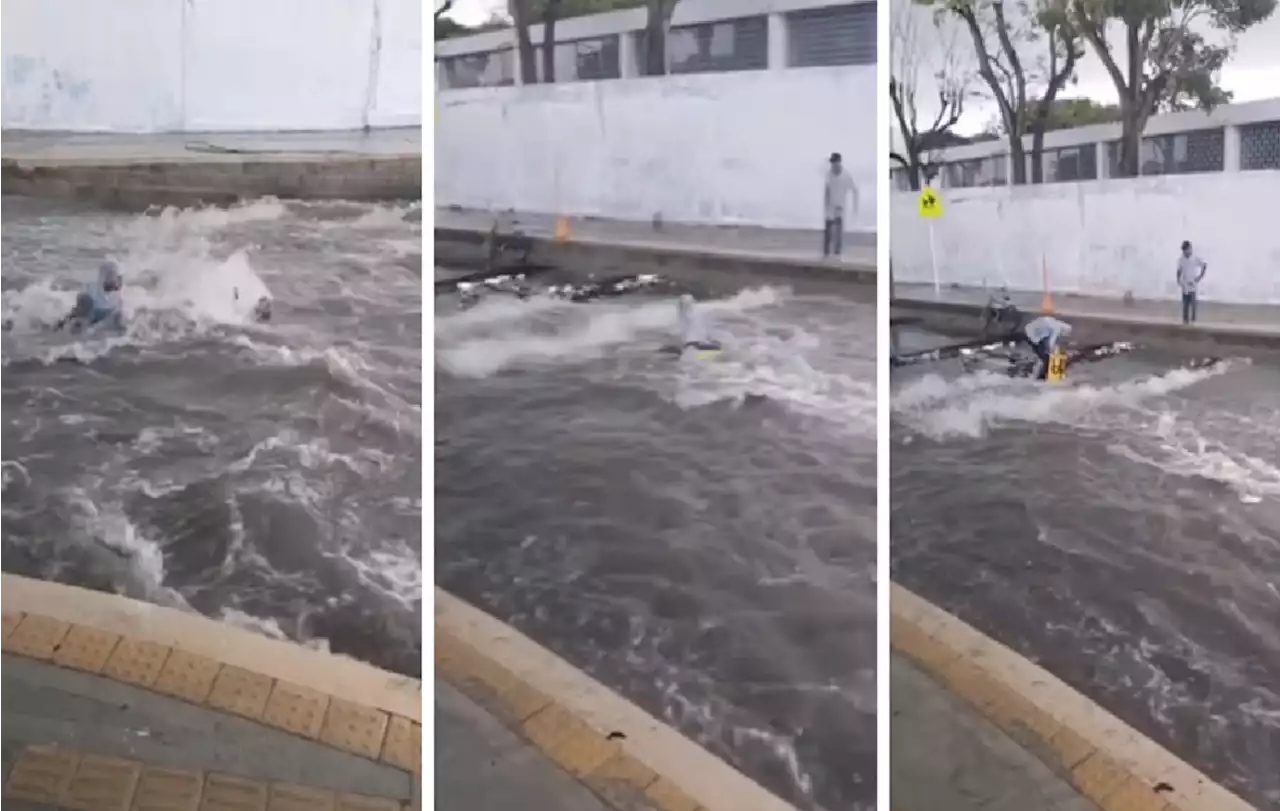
column 1044, row 334
column 693, row 329
column 99, row 302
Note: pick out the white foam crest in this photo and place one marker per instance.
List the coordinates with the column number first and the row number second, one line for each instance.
column 497, row 312
column 385, row 216
column 171, row 225
column 1180, row 447
column 266, row 627
column 589, row 331
column 988, row 399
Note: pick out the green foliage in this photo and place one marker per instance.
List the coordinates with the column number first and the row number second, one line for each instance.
column 1177, row 65
column 581, row 8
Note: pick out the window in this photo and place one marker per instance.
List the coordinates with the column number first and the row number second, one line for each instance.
column 489, row 69
column 727, row 45
column 586, row 60
column 1178, row 153
column 1067, row 164
column 836, row 35
column 1260, row 146
column 993, row 171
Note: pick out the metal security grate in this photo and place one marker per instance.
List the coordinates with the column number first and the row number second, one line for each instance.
column 1260, row 145
column 726, row 45
column 489, row 69
column 586, row 60
column 1179, row 153
column 1067, row 164
column 836, row 35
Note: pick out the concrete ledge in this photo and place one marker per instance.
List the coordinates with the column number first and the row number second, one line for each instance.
column 585, row 254
column 347, row 704
column 137, row 184
column 627, row 757
column 1109, row 762
column 964, row 315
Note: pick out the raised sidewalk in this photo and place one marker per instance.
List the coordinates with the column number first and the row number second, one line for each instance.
column 1103, row 760
column 596, row 244
column 137, row 171
column 1229, row 324
column 112, row 703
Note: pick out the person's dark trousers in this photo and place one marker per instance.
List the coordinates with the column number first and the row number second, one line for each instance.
column 833, row 237
column 1041, row 348
column 1188, row 308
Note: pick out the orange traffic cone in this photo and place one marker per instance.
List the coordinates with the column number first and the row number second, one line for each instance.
column 562, row 229
column 1046, row 304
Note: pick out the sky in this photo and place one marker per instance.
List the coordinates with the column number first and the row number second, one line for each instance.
column 1252, row 74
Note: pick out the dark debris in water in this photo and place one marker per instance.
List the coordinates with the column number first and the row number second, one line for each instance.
column 471, row 292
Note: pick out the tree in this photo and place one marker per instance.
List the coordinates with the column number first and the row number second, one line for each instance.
column 655, row 58
column 550, row 13
column 1065, row 114
column 1168, row 64
column 907, row 51
column 522, row 15
column 1006, row 39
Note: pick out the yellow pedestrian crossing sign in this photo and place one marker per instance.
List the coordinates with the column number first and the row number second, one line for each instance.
column 930, row 204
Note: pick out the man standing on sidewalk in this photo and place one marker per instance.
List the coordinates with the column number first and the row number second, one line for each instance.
column 838, row 188
column 1191, row 270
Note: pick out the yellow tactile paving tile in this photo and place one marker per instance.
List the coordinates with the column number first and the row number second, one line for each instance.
column 63, row 778
column 102, row 784
column 168, row 790
column 665, row 795
column 570, row 743
column 11, row 621
column 403, row 745
column 1050, row 720
column 40, row 775
column 354, row 728
column 621, row 780
column 187, row 676
column 300, row 798
column 301, row 710
column 239, row 691
column 222, row 792
column 85, row 649
column 36, row 636
column 136, row 662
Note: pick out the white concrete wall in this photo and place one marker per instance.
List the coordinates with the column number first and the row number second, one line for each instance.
column 748, row 147
column 1102, row 238
column 211, row 65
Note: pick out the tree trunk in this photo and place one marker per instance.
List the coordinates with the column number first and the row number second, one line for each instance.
column 1037, row 153
column 549, row 40
column 1130, row 141
column 656, row 37
column 1018, row 161
column 524, row 45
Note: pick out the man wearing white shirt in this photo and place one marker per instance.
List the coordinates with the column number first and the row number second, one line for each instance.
column 836, row 191
column 1191, row 270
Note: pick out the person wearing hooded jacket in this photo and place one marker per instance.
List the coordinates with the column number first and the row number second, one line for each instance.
column 693, row 329
column 99, row 302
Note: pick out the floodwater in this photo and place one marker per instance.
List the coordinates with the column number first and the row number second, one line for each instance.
column 1122, row 529
column 698, row 535
column 268, row 475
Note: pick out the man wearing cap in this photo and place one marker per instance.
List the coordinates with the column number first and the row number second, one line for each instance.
column 838, row 189
column 99, row 302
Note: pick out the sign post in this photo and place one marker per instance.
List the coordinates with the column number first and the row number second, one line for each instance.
column 929, row 207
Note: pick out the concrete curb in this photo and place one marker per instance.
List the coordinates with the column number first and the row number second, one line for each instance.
column 215, row 179
column 625, row 756
column 1109, row 762
column 1136, row 328
column 347, row 704
column 591, row 254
